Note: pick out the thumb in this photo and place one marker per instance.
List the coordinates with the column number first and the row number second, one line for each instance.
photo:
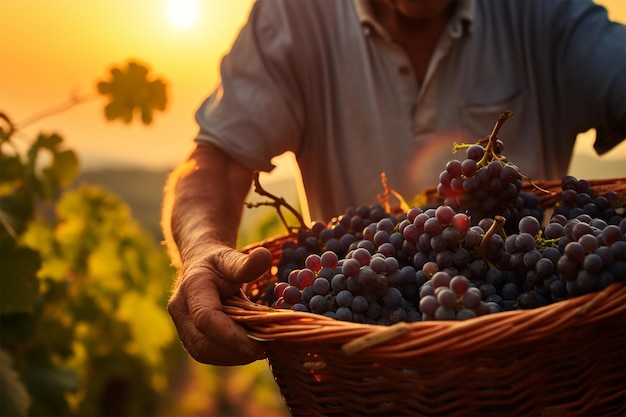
column 239, row 267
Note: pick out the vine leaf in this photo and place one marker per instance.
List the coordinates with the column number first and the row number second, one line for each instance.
column 60, row 172
column 63, row 169
column 18, row 279
column 131, row 90
column 149, row 324
column 14, row 398
column 11, row 171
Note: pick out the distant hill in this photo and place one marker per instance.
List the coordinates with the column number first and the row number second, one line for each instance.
column 141, row 189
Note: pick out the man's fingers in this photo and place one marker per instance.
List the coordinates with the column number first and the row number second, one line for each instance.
column 220, row 327
column 242, row 268
column 209, row 351
column 208, row 334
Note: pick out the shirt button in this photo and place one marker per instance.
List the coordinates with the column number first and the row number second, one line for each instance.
column 404, row 70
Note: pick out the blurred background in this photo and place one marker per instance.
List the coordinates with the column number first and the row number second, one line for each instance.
column 104, row 345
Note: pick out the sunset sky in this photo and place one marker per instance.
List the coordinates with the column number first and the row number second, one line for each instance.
column 52, row 50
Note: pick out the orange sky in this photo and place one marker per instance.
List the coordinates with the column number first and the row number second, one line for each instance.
column 51, row 49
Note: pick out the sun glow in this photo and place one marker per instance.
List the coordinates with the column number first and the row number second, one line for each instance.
column 182, row 14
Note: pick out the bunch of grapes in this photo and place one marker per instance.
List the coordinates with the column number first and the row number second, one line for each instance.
column 340, row 235
column 484, row 184
column 593, row 257
column 482, row 250
column 361, row 288
column 578, row 198
column 434, row 235
column 452, row 298
column 432, row 264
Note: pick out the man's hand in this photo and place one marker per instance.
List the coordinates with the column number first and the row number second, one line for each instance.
column 207, row 333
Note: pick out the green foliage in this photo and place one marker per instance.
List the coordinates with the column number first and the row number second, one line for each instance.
column 103, row 297
column 20, row 286
column 132, row 91
column 83, row 286
column 14, row 399
column 83, row 324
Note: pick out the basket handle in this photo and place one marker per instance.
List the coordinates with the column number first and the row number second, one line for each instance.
column 374, row 338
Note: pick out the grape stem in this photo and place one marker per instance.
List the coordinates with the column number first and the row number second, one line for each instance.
column 535, row 186
column 496, row 227
column 278, row 203
column 543, row 243
column 491, row 140
column 496, row 128
column 490, row 153
column 384, row 198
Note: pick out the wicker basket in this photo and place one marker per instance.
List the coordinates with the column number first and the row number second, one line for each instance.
column 565, row 359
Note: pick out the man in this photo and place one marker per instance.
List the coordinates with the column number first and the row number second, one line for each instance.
column 356, row 88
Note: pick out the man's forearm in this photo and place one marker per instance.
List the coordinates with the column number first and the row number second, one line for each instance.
column 203, row 203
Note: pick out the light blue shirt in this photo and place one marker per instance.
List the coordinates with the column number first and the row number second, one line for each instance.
column 322, row 79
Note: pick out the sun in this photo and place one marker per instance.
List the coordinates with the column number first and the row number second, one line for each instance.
column 182, row 14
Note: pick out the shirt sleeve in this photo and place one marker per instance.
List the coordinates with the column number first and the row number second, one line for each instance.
column 593, row 72
column 254, row 114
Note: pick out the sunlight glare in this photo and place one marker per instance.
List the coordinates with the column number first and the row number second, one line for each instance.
column 182, row 14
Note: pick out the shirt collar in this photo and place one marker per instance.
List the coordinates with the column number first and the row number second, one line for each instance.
column 461, row 19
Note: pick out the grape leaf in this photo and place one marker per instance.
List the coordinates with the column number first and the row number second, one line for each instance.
column 11, row 169
column 131, row 91
column 5, row 134
column 14, row 216
column 48, row 385
column 14, row 398
column 18, row 279
column 63, row 169
column 150, row 326
column 48, row 141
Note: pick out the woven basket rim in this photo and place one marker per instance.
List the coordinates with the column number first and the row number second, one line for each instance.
column 491, row 330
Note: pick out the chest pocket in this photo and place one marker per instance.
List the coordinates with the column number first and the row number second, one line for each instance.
column 479, row 118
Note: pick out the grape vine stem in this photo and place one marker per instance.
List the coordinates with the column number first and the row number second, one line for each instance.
column 277, row 203
column 384, row 198
column 496, row 227
column 59, row 108
column 490, row 153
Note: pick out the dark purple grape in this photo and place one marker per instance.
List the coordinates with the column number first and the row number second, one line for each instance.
column 321, row 286
column 359, row 304
column 469, row 168
column 510, row 291
column 471, row 299
column 544, row 267
column 554, row 231
column 445, row 313
column 575, row 251
column 392, row 297
column 525, row 242
column 465, row 314
column 530, row 225
column 446, row 298
column 593, row 263
column 292, row 295
column 475, row 152
column 611, row 234
column 317, row 304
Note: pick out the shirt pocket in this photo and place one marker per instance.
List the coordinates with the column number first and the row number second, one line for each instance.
column 479, row 118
